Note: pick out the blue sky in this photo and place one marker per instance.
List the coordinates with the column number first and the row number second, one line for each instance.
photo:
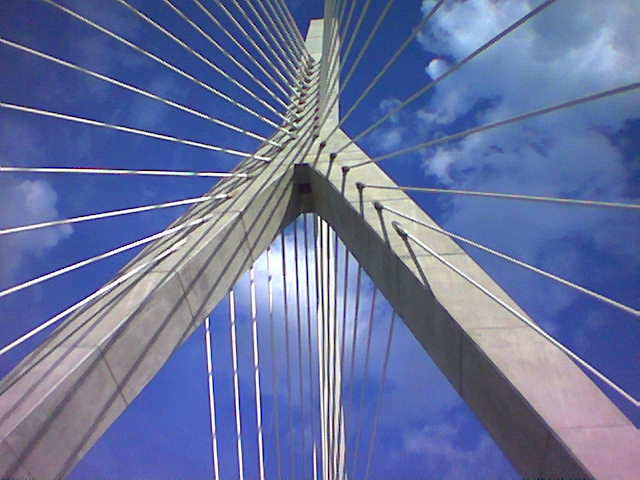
column 574, row 48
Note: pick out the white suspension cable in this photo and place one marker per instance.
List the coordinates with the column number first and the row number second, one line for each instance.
column 281, row 59
column 520, row 263
column 341, row 28
column 162, row 62
column 288, row 57
column 108, row 254
column 112, row 213
column 322, row 340
column 236, row 381
column 517, row 118
column 139, row 91
column 403, row 233
column 340, row 467
column 315, row 462
column 277, row 70
column 338, row 34
column 274, row 365
column 224, row 51
column 354, row 344
column 293, row 26
column 358, row 59
column 317, row 260
column 290, row 28
column 201, row 57
column 363, row 50
column 109, row 171
column 324, row 60
column 376, row 418
column 256, row 370
column 364, row 376
column 121, row 128
column 573, row 201
column 334, row 356
column 107, row 288
column 299, row 335
column 456, row 67
column 285, row 303
column 309, row 343
column 293, row 54
column 416, row 31
column 331, row 51
column 212, row 402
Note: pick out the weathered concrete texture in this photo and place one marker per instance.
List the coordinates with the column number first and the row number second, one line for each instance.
column 544, row 412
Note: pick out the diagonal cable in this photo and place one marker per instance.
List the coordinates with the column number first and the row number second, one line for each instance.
column 287, row 69
column 453, row 69
column 139, row 91
column 159, row 60
column 112, row 213
column 376, row 418
column 110, row 171
column 125, row 129
column 509, row 196
column 261, row 51
column 356, row 63
column 364, row 379
column 246, row 52
column 416, row 31
column 517, row 118
column 201, row 57
column 98, row 293
column 524, row 319
column 224, row 51
column 520, row 263
column 110, row 253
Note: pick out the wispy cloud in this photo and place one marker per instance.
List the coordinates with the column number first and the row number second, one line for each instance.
column 25, row 202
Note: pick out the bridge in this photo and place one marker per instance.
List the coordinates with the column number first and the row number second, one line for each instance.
column 318, row 258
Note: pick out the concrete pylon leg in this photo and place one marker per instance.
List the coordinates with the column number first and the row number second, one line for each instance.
column 549, row 418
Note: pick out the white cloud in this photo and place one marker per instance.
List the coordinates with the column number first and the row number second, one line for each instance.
column 440, row 443
column 565, row 52
column 26, row 202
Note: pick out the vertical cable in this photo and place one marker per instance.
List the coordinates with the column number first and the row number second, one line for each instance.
column 299, row 334
column 354, row 344
column 364, row 377
column 317, row 256
column 256, row 370
column 376, row 418
column 309, row 343
column 212, row 401
column 322, row 345
column 274, row 364
column 315, row 463
column 340, row 472
column 334, row 356
column 236, row 382
column 288, row 356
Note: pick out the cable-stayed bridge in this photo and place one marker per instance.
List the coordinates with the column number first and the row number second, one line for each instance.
column 309, row 211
